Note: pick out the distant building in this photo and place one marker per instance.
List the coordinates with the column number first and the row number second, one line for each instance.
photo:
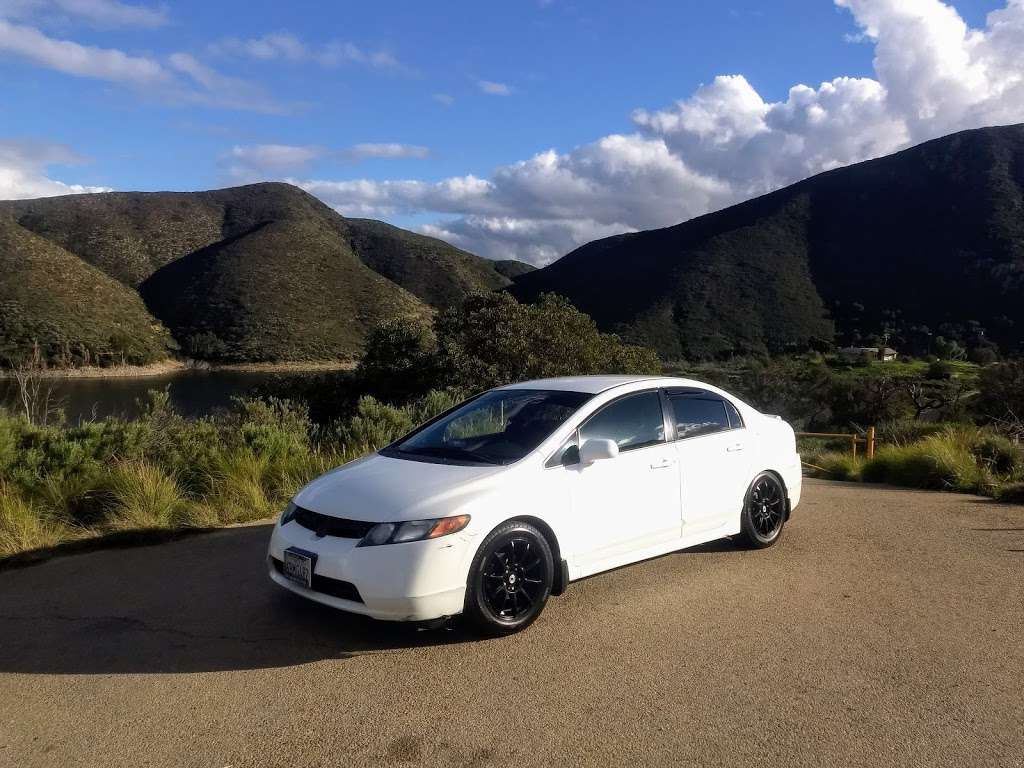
column 867, row 354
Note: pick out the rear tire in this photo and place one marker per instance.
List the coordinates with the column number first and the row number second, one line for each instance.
column 764, row 512
column 510, row 579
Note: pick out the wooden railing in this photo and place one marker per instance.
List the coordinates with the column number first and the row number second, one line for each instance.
column 868, row 440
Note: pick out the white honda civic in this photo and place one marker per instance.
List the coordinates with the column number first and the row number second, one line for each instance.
column 495, row 505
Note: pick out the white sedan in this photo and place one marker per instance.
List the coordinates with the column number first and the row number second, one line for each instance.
column 497, row 504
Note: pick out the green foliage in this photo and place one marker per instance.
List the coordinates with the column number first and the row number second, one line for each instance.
column 58, row 310
column 165, row 472
column 1012, row 493
column 958, row 458
column 491, row 340
column 25, row 525
column 263, row 272
column 1001, row 391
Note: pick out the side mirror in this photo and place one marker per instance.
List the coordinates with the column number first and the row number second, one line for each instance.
column 597, row 449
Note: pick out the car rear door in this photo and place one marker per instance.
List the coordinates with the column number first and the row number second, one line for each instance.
column 631, row 502
column 711, row 445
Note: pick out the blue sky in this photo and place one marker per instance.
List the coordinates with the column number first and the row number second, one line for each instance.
column 438, row 117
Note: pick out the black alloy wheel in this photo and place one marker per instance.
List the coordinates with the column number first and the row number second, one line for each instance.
column 764, row 511
column 510, row 579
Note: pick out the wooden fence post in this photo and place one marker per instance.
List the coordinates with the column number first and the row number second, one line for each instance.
column 871, row 442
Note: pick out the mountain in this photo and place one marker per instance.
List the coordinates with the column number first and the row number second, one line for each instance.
column 72, row 310
column 929, row 240
column 433, row 270
column 261, row 272
column 512, row 269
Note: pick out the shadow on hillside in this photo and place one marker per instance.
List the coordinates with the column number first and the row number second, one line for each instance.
column 202, row 603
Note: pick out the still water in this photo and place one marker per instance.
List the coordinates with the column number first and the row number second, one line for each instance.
column 192, row 392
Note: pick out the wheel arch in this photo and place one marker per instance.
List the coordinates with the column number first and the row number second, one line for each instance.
column 561, row 575
column 782, row 481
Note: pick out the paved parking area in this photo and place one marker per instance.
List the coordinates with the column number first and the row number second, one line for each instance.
column 886, row 628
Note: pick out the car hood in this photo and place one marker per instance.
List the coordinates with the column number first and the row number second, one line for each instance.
column 381, row 489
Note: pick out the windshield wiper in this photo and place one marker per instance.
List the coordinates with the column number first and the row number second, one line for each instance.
column 450, row 452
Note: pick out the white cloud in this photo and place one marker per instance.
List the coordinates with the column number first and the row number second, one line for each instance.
column 387, row 150
column 444, row 99
column 23, row 170
column 72, row 58
column 287, row 47
column 100, row 13
column 258, row 162
column 725, row 142
column 181, row 78
column 493, row 89
column 213, row 88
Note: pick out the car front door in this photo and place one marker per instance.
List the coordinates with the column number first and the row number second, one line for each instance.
column 711, row 446
column 631, row 502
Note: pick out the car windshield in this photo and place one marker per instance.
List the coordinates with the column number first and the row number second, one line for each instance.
column 499, row 427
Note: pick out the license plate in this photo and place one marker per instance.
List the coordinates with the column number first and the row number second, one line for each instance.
column 298, row 566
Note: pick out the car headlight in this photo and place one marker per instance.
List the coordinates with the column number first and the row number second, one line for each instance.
column 289, row 513
column 413, row 530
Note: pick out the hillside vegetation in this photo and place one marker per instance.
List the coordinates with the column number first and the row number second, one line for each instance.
column 263, row 272
column 922, row 243
column 55, row 305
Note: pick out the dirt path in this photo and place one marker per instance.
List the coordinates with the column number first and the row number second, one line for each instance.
column 886, row 628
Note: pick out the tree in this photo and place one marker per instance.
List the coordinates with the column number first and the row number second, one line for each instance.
column 1001, row 392
column 492, row 339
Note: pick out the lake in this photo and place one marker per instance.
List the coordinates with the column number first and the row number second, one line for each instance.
column 193, row 392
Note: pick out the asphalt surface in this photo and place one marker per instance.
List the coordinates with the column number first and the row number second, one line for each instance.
column 885, row 628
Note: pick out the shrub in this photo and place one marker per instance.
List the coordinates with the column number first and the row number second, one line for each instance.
column 144, row 496
column 490, row 340
column 838, row 466
column 1012, row 493
column 941, row 462
column 25, row 526
column 373, row 426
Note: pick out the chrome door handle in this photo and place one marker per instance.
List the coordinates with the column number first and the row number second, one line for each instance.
column 735, row 447
column 663, row 463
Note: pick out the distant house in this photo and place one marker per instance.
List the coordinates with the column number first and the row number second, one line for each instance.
column 867, row 354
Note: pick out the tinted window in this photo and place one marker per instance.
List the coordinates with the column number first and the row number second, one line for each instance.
column 632, row 422
column 699, row 416
column 734, row 416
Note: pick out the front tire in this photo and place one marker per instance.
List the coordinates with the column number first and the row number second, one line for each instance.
column 510, row 579
column 764, row 512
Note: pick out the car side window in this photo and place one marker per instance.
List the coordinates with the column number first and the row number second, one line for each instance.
column 699, row 415
column 735, row 420
column 634, row 421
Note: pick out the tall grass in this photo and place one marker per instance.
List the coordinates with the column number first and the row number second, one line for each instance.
column 959, row 457
column 165, row 472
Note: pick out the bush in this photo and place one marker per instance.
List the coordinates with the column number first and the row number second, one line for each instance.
column 955, row 458
column 144, row 496
column 1012, row 493
column 837, row 465
column 491, row 340
column 25, row 526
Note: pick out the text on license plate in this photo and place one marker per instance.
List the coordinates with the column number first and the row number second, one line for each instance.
column 298, row 566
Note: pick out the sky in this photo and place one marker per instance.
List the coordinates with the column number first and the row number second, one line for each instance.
column 513, row 129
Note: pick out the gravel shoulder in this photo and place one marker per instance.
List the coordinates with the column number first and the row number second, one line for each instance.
column 886, row 628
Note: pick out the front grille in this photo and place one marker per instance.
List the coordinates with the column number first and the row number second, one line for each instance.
column 328, row 586
column 325, row 525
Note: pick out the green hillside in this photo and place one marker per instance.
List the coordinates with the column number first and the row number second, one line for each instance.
column 71, row 311
column 924, row 242
column 264, row 272
column 433, row 270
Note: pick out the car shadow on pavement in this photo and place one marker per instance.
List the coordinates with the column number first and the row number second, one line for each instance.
column 203, row 603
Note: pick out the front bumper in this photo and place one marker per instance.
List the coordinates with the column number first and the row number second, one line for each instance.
column 414, row 581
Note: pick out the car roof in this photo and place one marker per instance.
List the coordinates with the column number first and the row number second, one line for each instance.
column 595, row 384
